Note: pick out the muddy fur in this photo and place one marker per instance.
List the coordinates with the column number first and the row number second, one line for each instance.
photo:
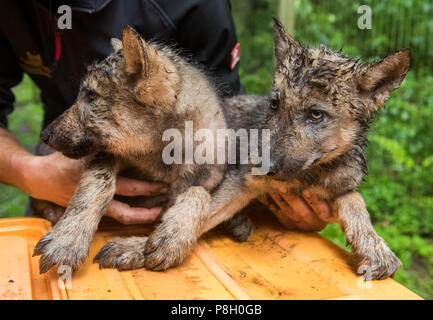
column 318, row 113
column 122, row 253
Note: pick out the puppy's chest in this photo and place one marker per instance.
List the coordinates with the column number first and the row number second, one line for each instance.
column 148, row 170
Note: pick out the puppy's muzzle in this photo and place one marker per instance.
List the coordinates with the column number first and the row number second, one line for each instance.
column 46, row 135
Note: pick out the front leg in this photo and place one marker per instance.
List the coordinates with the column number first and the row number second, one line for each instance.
column 193, row 213
column 69, row 241
column 374, row 259
column 179, row 230
column 122, row 253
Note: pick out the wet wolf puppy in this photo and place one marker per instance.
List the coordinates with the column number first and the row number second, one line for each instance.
column 318, row 114
column 117, row 123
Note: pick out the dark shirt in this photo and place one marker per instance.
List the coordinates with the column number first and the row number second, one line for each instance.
column 56, row 60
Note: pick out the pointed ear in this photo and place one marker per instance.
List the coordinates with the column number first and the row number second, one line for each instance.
column 116, row 44
column 380, row 78
column 285, row 45
column 134, row 52
column 157, row 83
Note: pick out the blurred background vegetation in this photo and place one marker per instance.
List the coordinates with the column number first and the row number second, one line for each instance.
column 399, row 188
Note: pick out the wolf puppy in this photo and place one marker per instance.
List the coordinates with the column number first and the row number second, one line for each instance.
column 117, row 123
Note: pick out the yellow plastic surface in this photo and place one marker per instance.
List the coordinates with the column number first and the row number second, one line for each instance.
column 273, row 264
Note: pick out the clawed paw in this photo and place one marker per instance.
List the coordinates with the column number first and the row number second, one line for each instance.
column 122, row 254
column 59, row 251
column 378, row 266
column 165, row 250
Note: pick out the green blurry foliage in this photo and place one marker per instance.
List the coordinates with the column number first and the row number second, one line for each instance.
column 25, row 123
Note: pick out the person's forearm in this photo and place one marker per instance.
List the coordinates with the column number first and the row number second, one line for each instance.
column 13, row 158
column 54, row 178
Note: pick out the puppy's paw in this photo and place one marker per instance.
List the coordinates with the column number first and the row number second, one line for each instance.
column 373, row 268
column 378, row 262
column 240, row 227
column 56, row 249
column 122, row 253
column 165, row 250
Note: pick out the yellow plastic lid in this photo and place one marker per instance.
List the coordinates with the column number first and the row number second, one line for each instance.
column 273, row 264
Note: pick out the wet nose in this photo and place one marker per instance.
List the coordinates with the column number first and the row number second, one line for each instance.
column 45, row 135
column 273, row 170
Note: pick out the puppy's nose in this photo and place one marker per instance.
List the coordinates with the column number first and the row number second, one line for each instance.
column 45, row 135
column 273, row 170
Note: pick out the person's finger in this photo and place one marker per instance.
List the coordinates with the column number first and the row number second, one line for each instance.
column 282, row 204
column 319, row 206
column 263, row 199
column 282, row 218
column 131, row 187
column 129, row 215
column 301, row 213
column 287, row 210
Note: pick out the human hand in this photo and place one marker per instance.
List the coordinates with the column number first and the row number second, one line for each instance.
column 55, row 178
column 306, row 213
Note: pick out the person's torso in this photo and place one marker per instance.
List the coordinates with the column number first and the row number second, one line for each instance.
column 56, row 59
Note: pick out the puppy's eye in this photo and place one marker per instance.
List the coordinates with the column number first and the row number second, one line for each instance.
column 275, row 100
column 91, row 95
column 316, row 116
